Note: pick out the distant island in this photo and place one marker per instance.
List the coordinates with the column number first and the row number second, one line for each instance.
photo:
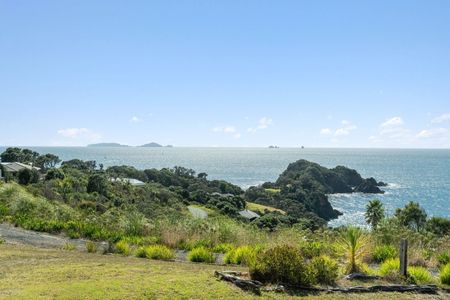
column 155, row 145
column 107, row 145
column 273, row 147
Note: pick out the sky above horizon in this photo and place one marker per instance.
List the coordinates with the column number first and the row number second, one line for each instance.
column 225, row 73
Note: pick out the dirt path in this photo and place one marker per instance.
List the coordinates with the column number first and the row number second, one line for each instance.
column 16, row 235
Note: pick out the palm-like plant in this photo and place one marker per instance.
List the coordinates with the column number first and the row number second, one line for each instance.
column 353, row 242
column 374, row 213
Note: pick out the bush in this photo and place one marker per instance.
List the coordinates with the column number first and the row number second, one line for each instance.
column 223, row 248
column 390, row 268
column 445, row 274
column 443, row 258
column 281, row 264
column 311, row 249
column 201, row 254
column 159, row 252
column 69, row 246
column 244, row 255
column 122, row 247
column 91, row 247
column 419, row 275
column 140, row 252
column 384, row 252
column 324, row 270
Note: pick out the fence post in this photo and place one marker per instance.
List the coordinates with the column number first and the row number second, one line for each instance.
column 404, row 257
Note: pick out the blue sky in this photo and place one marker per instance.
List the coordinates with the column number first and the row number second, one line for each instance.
column 225, row 73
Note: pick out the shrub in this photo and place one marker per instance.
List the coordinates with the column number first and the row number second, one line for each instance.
column 123, row 248
column 201, row 254
column 419, row 275
column 324, row 270
column 140, row 252
column 384, row 252
column 390, row 269
column 443, row 258
column 311, row 249
column 445, row 274
column 223, row 248
column 91, row 247
column 69, row 246
column 281, row 264
column 244, row 255
column 159, row 252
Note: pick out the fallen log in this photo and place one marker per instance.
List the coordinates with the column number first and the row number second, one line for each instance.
column 255, row 286
column 361, row 276
column 245, row 284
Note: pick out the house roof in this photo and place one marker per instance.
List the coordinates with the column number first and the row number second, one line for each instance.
column 131, row 181
column 248, row 214
column 17, row 166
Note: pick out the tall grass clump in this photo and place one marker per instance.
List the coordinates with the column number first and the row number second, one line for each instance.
column 445, row 274
column 419, row 275
column 201, row 254
column 69, row 246
column 160, row 252
column 281, row 264
column 244, row 255
column 443, row 258
column 383, row 253
column 390, row 269
column 122, row 247
column 91, row 247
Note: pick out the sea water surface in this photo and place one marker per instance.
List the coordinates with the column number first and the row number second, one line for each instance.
column 413, row 175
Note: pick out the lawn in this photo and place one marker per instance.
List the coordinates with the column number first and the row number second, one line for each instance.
column 34, row 273
column 261, row 208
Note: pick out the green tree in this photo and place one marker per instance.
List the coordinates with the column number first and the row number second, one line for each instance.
column 374, row 213
column 47, row 161
column 412, row 216
column 24, row 176
column 97, row 183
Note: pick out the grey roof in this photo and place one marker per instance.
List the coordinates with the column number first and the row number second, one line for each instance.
column 248, row 214
column 131, row 181
column 222, row 195
column 16, row 166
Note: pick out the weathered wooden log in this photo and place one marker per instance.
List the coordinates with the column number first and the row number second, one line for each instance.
column 255, row 286
column 421, row 289
column 361, row 276
column 248, row 285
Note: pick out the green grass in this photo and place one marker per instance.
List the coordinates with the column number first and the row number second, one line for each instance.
column 420, row 275
column 32, row 273
column 262, row 208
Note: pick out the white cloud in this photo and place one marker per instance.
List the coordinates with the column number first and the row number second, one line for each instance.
column 230, row 130
column 263, row 123
column 135, row 119
column 326, row 131
column 392, row 122
column 441, row 119
column 431, row 133
column 346, row 128
column 393, row 128
column 79, row 134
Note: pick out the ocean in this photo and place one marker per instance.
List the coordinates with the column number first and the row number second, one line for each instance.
column 413, row 175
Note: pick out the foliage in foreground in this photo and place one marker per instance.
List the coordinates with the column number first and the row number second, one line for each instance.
column 445, row 274
column 419, row 275
column 282, row 264
column 201, row 254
